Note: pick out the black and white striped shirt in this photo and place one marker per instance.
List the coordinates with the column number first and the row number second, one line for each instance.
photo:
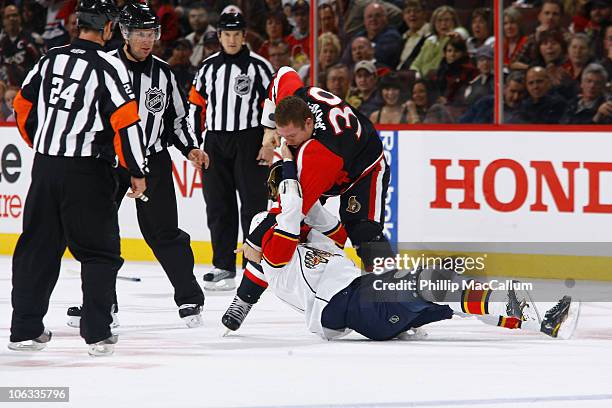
column 77, row 101
column 161, row 104
column 228, row 92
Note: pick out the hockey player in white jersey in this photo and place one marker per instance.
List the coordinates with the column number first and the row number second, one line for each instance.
column 317, row 279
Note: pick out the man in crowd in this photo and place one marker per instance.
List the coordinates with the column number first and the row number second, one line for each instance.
column 591, row 106
column 541, row 105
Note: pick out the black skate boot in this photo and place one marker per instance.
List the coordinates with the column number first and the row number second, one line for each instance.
column 36, row 344
column 561, row 320
column 190, row 313
column 103, row 348
column 74, row 317
column 219, row 279
column 236, row 313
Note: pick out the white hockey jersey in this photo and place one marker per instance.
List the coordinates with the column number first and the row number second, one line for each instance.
column 305, row 276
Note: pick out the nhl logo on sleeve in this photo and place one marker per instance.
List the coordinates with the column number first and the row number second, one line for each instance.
column 154, row 100
column 242, row 85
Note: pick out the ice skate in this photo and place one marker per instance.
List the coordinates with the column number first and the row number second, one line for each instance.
column 413, row 334
column 103, row 348
column 36, row 344
column 74, row 317
column 191, row 315
column 561, row 321
column 521, row 306
column 219, row 279
column 236, row 313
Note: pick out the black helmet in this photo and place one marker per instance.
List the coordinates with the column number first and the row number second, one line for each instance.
column 231, row 22
column 138, row 16
column 96, row 13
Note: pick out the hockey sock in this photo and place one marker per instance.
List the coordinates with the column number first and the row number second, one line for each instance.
column 253, row 283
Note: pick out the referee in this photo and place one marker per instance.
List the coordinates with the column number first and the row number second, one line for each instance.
column 163, row 111
column 75, row 103
column 226, row 99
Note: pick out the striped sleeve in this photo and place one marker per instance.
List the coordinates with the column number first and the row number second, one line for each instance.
column 197, row 104
column 279, row 243
column 283, row 84
column 176, row 116
column 121, row 106
column 24, row 101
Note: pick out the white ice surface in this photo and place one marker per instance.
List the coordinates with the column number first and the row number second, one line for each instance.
column 272, row 361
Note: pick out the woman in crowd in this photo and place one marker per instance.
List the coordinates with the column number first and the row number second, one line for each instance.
column 421, row 108
column 277, row 27
column 481, row 30
column 445, row 24
column 514, row 40
column 329, row 54
column 392, row 112
column 551, row 53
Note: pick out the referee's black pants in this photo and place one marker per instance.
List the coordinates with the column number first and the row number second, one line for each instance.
column 158, row 221
column 233, row 166
column 69, row 203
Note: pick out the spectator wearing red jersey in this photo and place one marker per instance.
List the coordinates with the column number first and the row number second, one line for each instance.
column 277, row 28
column 168, row 19
column 299, row 39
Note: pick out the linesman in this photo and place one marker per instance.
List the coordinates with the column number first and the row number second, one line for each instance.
column 75, row 103
column 163, row 111
column 226, row 100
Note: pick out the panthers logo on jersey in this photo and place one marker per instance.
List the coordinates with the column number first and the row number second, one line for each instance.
column 314, row 257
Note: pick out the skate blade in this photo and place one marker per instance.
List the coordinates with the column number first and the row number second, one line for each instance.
column 28, row 345
column 75, row 322
column 193, row 321
column 228, row 333
column 222, row 285
column 568, row 327
column 413, row 334
column 101, row 350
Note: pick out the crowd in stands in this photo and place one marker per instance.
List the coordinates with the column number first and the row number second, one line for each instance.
column 397, row 61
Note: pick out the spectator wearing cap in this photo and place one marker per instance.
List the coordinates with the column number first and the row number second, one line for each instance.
column 415, row 18
column 454, row 74
column 18, row 49
column 591, row 106
column 482, row 111
column 299, row 39
column 541, row 105
column 484, row 82
column 364, row 97
column 338, row 80
column 481, row 30
column 600, row 13
column 199, row 24
column 514, row 40
column 392, row 111
column 279, row 55
column 444, row 24
column 277, row 28
column 421, row 107
column 181, row 63
column 168, row 18
column 549, row 18
column 211, row 44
